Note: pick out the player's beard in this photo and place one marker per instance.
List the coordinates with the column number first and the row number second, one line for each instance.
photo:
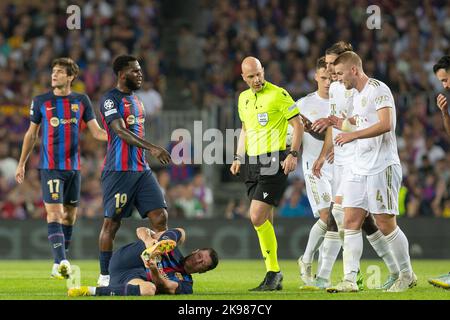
column 130, row 84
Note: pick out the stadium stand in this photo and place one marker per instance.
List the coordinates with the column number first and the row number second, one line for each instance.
column 192, row 63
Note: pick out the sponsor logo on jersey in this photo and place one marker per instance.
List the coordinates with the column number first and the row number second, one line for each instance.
column 54, row 121
column 131, row 119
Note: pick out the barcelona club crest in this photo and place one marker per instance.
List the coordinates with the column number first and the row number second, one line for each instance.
column 74, row 107
column 179, row 276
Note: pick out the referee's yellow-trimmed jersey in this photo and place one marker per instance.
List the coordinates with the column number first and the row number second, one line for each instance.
column 265, row 115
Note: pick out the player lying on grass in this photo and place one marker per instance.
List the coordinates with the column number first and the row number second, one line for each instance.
column 152, row 265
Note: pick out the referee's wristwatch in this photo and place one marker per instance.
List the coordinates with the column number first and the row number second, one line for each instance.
column 294, row 153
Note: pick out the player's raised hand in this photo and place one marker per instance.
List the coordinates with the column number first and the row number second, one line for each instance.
column 20, row 174
column 442, row 103
column 161, row 154
column 235, row 167
column 320, row 125
column 317, row 166
column 344, row 137
column 336, row 122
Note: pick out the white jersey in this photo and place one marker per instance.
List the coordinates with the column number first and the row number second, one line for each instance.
column 341, row 105
column 373, row 155
column 313, row 107
column 319, row 190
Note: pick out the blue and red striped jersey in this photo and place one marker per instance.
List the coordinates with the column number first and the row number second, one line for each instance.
column 60, row 118
column 121, row 156
column 172, row 266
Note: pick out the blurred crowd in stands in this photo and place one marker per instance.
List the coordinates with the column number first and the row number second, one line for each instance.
column 287, row 36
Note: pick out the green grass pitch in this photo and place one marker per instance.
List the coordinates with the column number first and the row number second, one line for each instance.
column 230, row 281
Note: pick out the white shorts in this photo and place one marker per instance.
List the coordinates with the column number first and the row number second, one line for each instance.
column 318, row 191
column 376, row 194
column 340, row 173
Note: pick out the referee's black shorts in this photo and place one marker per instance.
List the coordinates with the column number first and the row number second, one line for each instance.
column 264, row 178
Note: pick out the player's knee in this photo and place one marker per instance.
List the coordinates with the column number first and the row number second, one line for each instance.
column 147, row 289
column 158, row 219
column 110, row 227
column 69, row 217
column 68, row 221
column 324, row 215
column 257, row 219
column 386, row 227
column 55, row 216
column 352, row 223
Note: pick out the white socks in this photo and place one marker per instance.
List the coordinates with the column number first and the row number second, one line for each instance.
column 353, row 247
column 338, row 214
column 330, row 250
column 399, row 246
column 381, row 247
column 315, row 239
column 320, row 257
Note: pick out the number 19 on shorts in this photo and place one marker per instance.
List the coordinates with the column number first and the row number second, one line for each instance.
column 121, row 199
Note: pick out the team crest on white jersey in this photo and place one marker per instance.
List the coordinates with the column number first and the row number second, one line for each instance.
column 326, row 197
column 364, row 102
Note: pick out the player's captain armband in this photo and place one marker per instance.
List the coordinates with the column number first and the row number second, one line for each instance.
column 110, row 112
column 347, row 126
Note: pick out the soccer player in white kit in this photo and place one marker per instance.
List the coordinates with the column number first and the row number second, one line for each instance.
column 374, row 181
column 315, row 106
column 341, row 107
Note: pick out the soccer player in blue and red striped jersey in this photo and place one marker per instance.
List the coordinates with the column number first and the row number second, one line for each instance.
column 60, row 112
column 133, row 274
column 127, row 180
